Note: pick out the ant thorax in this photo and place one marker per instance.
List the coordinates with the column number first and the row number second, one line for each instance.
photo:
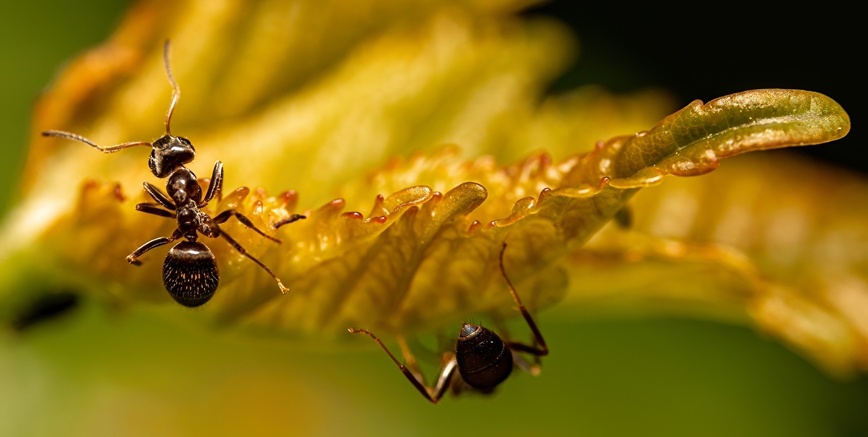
column 183, row 187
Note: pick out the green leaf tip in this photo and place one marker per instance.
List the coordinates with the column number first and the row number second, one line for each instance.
column 691, row 141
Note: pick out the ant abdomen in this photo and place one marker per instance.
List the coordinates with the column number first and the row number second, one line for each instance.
column 190, row 273
column 484, row 361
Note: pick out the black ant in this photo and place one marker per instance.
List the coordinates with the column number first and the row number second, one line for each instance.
column 482, row 358
column 190, row 269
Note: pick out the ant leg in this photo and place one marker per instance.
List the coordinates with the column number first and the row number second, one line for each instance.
column 289, row 220
column 410, row 363
column 539, row 348
column 223, row 216
column 81, row 139
column 215, row 187
column 445, row 379
column 525, row 365
column 432, row 395
column 159, row 196
column 153, row 208
column 409, row 359
column 242, row 251
column 133, row 258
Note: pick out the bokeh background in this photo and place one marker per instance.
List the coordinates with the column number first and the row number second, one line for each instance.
column 101, row 373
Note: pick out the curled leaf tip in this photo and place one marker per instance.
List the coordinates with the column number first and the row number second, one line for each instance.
column 692, row 141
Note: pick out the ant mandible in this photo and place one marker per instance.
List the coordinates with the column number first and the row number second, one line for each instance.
column 482, row 358
column 190, row 269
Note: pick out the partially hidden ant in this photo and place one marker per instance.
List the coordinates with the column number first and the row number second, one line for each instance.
column 482, row 358
column 190, row 269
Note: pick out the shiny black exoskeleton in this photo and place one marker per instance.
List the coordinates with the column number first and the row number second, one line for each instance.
column 482, row 358
column 190, row 270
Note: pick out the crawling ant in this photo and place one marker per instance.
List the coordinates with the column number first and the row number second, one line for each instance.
column 190, row 269
column 482, row 358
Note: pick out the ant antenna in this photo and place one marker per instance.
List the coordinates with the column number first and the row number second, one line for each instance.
column 176, row 90
column 176, row 95
column 103, row 149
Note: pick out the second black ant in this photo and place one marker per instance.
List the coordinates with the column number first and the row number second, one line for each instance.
column 190, row 272
column 482, row 358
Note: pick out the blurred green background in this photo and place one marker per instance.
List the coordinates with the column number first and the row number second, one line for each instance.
column 100, row 373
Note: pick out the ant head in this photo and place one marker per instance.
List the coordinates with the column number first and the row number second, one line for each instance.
column 484, row 360
column 190, row 273
column 168, row 153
